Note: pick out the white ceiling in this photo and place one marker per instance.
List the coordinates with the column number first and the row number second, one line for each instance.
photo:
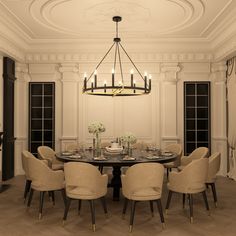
column 151, row 26
column 86, row 19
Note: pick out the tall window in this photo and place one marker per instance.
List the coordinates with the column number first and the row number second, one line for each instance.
column 196, row 116
column 41, row 115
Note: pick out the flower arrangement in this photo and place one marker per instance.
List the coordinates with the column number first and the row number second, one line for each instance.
column 96, row 128
column 128, row 138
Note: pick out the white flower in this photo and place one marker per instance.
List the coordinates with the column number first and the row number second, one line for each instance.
column 128, row 138
column 96, row 127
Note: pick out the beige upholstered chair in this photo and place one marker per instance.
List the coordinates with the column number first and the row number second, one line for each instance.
column 46, row 153
column 198, row 153
column 143, row 182
column 84, row 182
column 177, row 149
column 214, row 166
column 44, row 180
column 189, row 181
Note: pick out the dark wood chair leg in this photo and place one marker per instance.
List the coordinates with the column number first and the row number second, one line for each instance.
column 41, row 204
column 159, row 206
column 27, row 188
column 68, row 201
column 53, row 197
column 184, row 196
column 133, row 205
column 205, row 200
column 63, row 193
column 79, row 206
column 125, row 207
column 213, row 188
column 168, row 200
column 190, row 196
column 151, row 208
column 100, row 168
column 103, row 200
column 91, row 202
column 30, row 197
column 167, row 172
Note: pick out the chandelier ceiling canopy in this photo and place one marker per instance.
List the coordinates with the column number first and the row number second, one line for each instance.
column 119, row 84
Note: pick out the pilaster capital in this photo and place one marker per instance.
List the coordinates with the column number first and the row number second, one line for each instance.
column 218, row 71
column 22, row 72
column 68, row 67
column 170, row 71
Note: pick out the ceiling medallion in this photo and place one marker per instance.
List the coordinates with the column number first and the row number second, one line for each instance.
column 118, row 85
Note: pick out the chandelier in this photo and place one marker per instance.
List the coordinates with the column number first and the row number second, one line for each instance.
column 119, row 83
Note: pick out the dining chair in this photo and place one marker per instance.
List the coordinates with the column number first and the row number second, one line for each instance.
column 44, row 179
column 47, row 153
column 143, row 182
column 190, row 180
column 84, row 182
column 214, row 166
column 177, row 149
column 25, row 155
column 198, row 153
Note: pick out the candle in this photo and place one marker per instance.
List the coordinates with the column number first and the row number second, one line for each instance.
column 85, row 81
column 105, row 85
column 145, row 82
column 113, row 77
column 134, row 85
column 150, row 82
column 132, row 77
column 92, row 86
column 95, row 78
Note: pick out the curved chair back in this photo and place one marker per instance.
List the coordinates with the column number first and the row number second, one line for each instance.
column 200, row 152
column 25, row 155
column 86, row 178
column 177, row 149
column 194, row 175
column 214, row 166
column 46, row 153
column 141, row 176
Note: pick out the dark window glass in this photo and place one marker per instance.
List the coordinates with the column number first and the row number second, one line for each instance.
column 191, row 135
column 48, row 124
column 190, row 89
column 48, row 112
column 202, row 124
column 190, row 147
column 49, row 144
column 202, row 101
column 36, row 112
column 34, row 147
column 202, row 112
column 47, row 136
column 202, row 144
column 36, row 135
column 36, row 101
column 202, row 136
column 190, row 101
column 190, row 113
column 36, row 124
column 202, row 89
column 36, row 89
column 48, row 101
column 190, row 124
column 48, row 89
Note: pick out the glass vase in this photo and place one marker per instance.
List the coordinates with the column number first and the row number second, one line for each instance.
column 97, row 145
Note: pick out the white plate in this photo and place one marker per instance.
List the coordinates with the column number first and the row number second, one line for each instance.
column 118, row 149
column 67, row 153
column 166, row 154
column 99, row 159
column 153, row 157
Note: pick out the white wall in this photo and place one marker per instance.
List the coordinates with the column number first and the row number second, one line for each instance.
column 155, row 118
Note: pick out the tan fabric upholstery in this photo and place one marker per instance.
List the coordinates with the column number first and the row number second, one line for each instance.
column 143, row 182
column 214, row 166
column 43, row 178
column 198, row 153
column 46, row 153
column 84, row 181
column 191, row 179
column 177, row 149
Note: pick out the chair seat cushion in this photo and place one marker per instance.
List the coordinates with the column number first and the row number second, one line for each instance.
column 146, row 194
column 82, row 193
column 58, row 166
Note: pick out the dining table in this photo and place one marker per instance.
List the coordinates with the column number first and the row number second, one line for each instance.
column 116, row 161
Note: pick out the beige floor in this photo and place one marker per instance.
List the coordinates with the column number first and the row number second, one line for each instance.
column 16, row 220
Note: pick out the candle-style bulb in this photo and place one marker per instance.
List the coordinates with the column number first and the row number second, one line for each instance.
column 85, row 75
column 113, row 71
column 150, row 76
column 95, row 72
column 105, row 82
column 145, row 73
column 132, row 71
column 134, row 82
